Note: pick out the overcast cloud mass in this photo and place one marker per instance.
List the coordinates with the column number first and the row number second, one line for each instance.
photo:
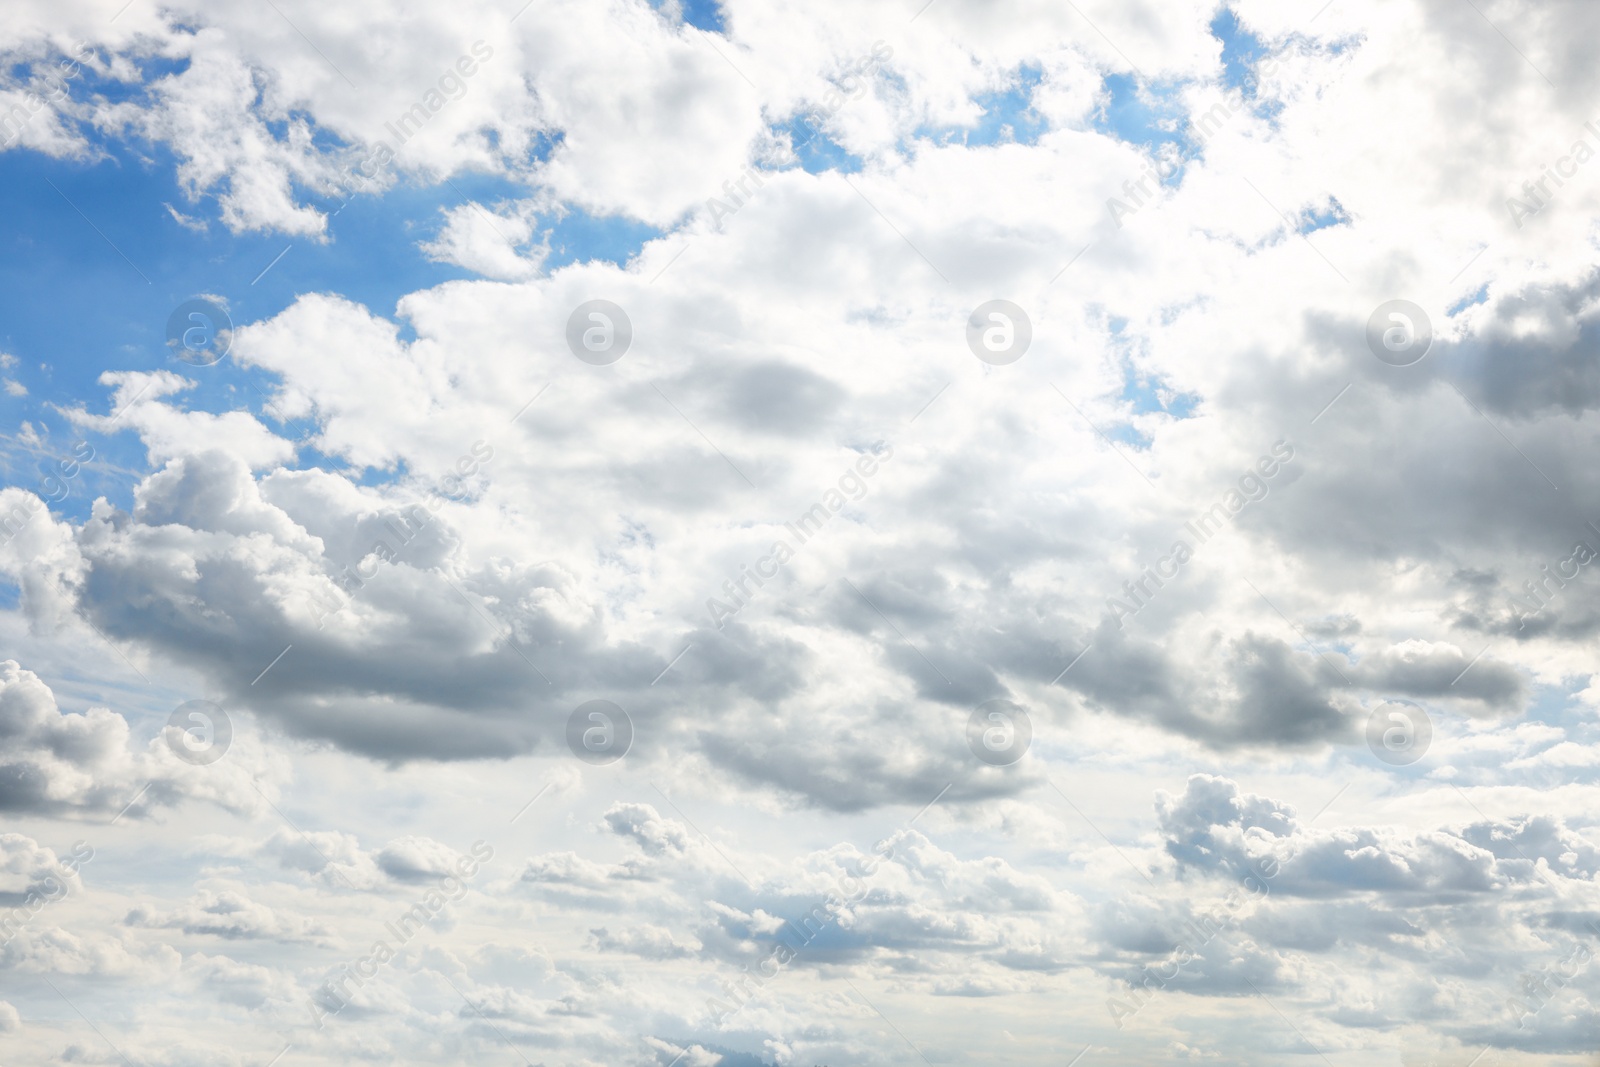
column 676, row 533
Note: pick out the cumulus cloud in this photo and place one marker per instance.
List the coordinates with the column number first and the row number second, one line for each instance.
column 86, row 763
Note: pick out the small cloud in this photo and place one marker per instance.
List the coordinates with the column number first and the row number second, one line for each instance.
column 14, row 388
column 188, row 223
column 489, row 244
column 7, row 361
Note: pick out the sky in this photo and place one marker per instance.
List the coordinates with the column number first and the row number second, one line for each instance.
column 639, row 534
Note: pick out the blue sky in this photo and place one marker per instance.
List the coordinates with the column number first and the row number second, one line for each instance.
column 101, row 235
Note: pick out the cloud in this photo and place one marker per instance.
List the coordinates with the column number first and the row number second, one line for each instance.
column 485, row 243
column 442, row 533
column 229, row 913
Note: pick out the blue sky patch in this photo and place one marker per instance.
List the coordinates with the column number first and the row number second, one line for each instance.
column 1312, row 219
column 816, row 151
column 701, row 14
column 1145, row 116
column 1472, row 299
column 125, row 259
column 1145, row 394
column 1241, row 51
column 1008, row 116
column 578, row 237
